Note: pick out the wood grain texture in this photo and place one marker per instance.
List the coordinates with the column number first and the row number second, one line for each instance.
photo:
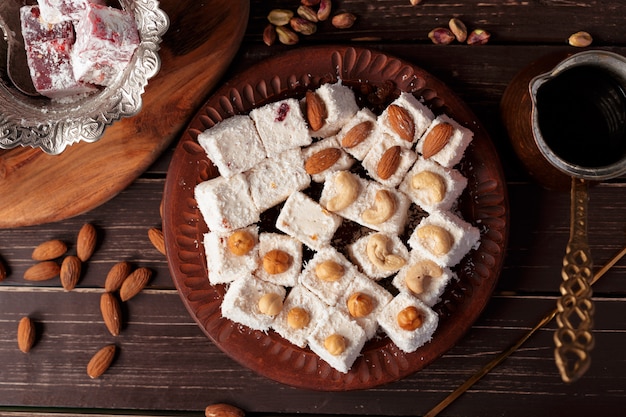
column 196, row 51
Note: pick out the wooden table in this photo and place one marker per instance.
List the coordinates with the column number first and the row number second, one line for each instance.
column 166, row 366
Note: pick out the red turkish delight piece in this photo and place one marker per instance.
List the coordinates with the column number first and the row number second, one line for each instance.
column 61, row 10
column 106, row 39
column 48, row 49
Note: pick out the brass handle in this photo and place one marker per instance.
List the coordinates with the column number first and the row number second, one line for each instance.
column 573, row 338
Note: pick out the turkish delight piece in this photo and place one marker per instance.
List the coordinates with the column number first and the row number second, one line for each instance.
column 48, row 55
column 106, row 39
column 55, row 11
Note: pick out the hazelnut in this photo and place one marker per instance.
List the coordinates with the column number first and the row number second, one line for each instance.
column 240, row 242
column 298, row 318
column 335, row 344
column 276, row 262
column 435, row 239
column 329, row 271
column 270, row 304
column 410, row 318
column 360, row 305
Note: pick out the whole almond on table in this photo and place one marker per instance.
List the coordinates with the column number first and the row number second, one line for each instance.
column 25, row 334
column 436, row 139
column 156, row 238
column 42, row 271
column 86, row 241
column 70, row 272
column 116, row 276
column 101, row 361
column 49, row 250
column 111, row 313
column 134, row 283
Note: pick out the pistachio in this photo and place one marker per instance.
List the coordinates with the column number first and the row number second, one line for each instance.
column 269, row 35
column 458, row 28
column 323, row 12
column 304, row 26
column 343, row 20
column 286, row 36
column 279, row 17
column 580, row 39
column 310, row 3
column 441, row 36
column 306, row 12
column 478, row 37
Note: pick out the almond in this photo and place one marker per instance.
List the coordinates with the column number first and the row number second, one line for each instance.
column 25, row 334
column 389, row 162
column 436, row 139
column 111, row 312
column 223, row 410
column 116, row 276
column 156, row 238
column 70, row 272
column 86, row 242
column 101, row 361
column 357, row 134
column 401, row 122
column 322, row 160
column 316, row 112
column 134, row 283
column 49, row 250
column 42, row 271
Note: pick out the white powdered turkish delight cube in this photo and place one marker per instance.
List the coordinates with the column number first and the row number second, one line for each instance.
column 225, row 203
column 453, row 151
column 54, row 11
column 407, row 338
column 106, row 39
column 274, row 179
column 275, row 241
column 433, row 187
column 241, row 302
column 423, row 279
column 223, row 264
column 302, row 312
column 233, row 145
column 281, row 126
column 343, row 162
column 379, row 255
column 378, row 157
column 307, row 221
column 341, row 106
column 359, row 134
column 337, row 340
column 363, row 301
column 444, row 238
column 383, row 200
column 48, row 49
column 327, row 275
column 420, row 118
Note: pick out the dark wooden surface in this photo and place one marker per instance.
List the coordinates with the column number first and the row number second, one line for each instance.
column 166, row 366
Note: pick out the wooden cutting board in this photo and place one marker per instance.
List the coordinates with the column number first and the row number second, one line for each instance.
column 202, row 40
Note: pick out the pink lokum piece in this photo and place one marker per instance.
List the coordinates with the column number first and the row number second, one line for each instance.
column 106, row 39
column 48, row 55
column 55, row 11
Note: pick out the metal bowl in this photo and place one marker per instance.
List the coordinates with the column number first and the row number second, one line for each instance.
column 39, row 122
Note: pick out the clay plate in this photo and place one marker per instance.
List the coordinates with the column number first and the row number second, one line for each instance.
column 484, row 204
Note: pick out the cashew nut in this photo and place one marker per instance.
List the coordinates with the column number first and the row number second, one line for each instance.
column 347, row 191
column 384, row 207
column 378, row 253
column 420, row 274
column 435, row 239
column 433, row 184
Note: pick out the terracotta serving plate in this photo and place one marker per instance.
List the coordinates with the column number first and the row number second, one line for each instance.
column 484, row 204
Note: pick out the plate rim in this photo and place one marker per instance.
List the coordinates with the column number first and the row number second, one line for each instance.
column 341, row 61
